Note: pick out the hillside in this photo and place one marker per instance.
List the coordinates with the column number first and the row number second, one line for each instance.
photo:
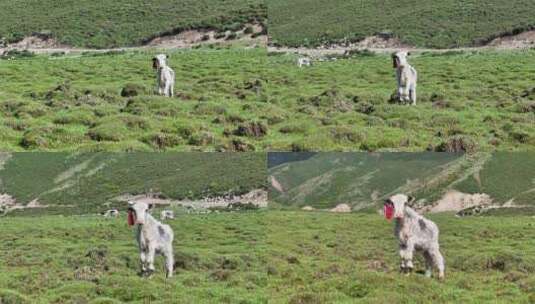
column 104, row 24
column 328, row 179
column 277, row 158
column 84, row 183
column 441, row 182
column 435, row 24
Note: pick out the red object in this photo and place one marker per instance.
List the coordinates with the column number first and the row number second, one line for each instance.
column 130, row 218
column 389, row 211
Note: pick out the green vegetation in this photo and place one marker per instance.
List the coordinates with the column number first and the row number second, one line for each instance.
column 256, row 257
column 219, row 258
column 84, row 183
column 105, row 24
column 358, row 179
column 105, row 102
column 361, row 179
column 321, row 257
column 241, row 100
column 507, row 176
column 467, row 101
column 437, row 24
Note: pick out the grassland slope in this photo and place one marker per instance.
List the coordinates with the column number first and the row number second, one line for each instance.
column 242, row 100
column 361, row 180
column 436, row 24
column 83, row 183
column 104, row 24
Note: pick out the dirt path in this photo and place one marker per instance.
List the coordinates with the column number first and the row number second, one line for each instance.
column 275, row 184
column 380, row 45
column 187, row 39
column 454, row 200
column 193, row 38
column 257, row 197
column 316, row 53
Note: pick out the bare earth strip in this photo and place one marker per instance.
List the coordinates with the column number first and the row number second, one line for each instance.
column 256, row 197
column 377, row 44
column 186, row 39
column 192, row 38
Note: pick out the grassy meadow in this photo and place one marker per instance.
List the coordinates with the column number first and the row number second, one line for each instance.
column 105, row 24
column 322, row 257
column 234, row 99
column 261, row 257
column 97, row 102
column 479, row 100
column 435, row 24
column 219, row 258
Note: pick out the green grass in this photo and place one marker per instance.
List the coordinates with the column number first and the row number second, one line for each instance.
column 443, row 24
column 362, row 179
column 256, row 257
column 352, row 258
column 104, row 24
column 241, row 100
column 220, row 258
column 83, row 183
column 484, row 98
column 75, row 103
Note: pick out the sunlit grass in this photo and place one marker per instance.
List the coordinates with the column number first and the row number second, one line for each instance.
column 322, row 257
column 240, row 100
column 54, row 259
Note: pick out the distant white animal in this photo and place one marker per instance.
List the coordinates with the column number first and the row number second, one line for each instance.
column 342, row 208
column 111, row 213
column 406, row 77
column 165, row 76
column 304, row 61
column 167, row 214
column 324, row 59
column 414, row 232
column 152, row 237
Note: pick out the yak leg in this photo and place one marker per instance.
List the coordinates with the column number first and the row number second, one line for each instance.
column 412, row 95
column 438, row 260
column 428, row 264
column 406, row 253
column 169, row 262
